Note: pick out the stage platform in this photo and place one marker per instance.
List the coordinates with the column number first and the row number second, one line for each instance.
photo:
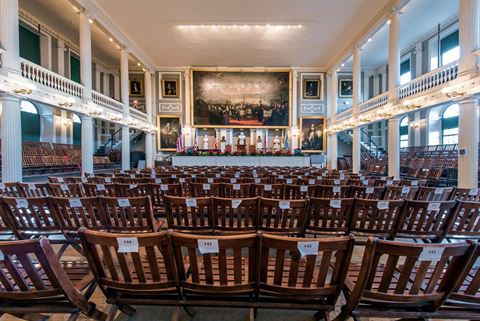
column 281, row 161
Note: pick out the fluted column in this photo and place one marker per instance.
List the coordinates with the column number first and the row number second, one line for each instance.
column 87, row 145
column 357, row 73
column 126, row 108
column 468, row 143
column 469, row 29
column 295, row 132
column 9, row 36
column 332, row 148
column 106, row 83
column 148, row 107
column 86, row 54
column 393, row 55
column 394, row 147
column 116, row 85
column 188, row 134
column 61, row 57
column 356, row 150
column 11, row 133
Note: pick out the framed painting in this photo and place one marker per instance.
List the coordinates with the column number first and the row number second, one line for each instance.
column 312, row 131
column 170, row 88
column 168, row 127
column 241, row 98
column 311, row 88
column 136, row 87
column 345, row 88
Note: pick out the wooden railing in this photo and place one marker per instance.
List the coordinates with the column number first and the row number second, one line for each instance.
column 377, row 101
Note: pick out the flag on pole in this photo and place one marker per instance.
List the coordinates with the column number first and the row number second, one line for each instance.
column 195, row 146
column 180, row 141
column 286, row 146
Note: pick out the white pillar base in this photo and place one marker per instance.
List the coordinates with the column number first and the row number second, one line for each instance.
column 87, row 145
column 356, row 151
column 468, row 142
column 394, row 148
column 332, row 151
column 125, row 148
column 11, row 134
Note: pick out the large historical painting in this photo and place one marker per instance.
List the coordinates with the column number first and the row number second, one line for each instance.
column 313, row 134
column 241, row 99
column 168, row 129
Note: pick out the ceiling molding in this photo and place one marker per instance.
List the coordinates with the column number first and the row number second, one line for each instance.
column 105, row 22
column 374, row 24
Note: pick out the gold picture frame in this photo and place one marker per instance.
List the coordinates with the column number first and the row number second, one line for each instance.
column 313, row 144
column 168, row 144
column 167, row 92
column 345, row 88
column 135, row 87
column 239, row 69
column 307, row 94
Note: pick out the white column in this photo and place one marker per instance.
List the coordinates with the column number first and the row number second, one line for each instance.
column 106, row 83
column 9, row 36
column 332, row 151
column 294, row 133
column 61, row 57
column 116, row 84
column 468, row 143
column 356, row 150
column 97, row 78
column 332, row 148
column 87, row 145
column 126, row 109
column 11, row 133
column 394, row 147
column 46, row 51
column 418, row 59
column 468, row 27
column 188, row 111
column 148, row 108
column 393, row 55
column 86, row 54
column 417, row 130
column 357, row 73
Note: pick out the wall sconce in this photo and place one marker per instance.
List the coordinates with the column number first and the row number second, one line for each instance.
column 66, row 102
column 451, row 93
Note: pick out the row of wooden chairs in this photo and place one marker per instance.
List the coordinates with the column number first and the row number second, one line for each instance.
column 254, row 271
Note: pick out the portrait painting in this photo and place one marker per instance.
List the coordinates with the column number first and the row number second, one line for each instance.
column 170, row 88
column 168, row 130
column 136, row 87
column 238, row 99
column 345, row 88
column 311, row 89
column 312, row 131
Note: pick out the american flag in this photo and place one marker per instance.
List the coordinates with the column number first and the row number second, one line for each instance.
column 215, row 143
column 180, row 141
column 195, row 146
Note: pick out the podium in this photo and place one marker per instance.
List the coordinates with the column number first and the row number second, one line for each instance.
column 241, row 148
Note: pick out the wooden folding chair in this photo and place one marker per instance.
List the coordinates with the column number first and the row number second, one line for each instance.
column 139, row 274
column 281, row 216
column 33, row 189
column 375, row 193
column 205, row 189
column 398, row 192
column 268, row 190
column 9, row 189
column 236, row 190
column 327, row 216
column 465, row 221
column 467, row 194
column 299, row 191
column 403, row 280
column 100, row 189
column 235, row 215
column 324, row 191
column 192, row 215
column 303, row 273
column 66, row 190
column 34, row 281
column 156, row 193
column 435, row 194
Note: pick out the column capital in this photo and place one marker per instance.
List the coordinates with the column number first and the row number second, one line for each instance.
column 393, row 11
column 86, row 118
column 473, row 99
column 9, row 97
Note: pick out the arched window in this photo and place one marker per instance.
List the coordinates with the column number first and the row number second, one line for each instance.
column 450, row 124
column 76, row 119
column 404, row 132
column 30, row 122
column 77, row 129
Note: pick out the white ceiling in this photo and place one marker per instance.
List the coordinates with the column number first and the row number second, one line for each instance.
column 418, row 18
column 327, row 26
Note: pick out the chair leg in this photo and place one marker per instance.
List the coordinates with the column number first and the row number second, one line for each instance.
column 73, row 316
column 251, row 316
column 112, row 313
column 127, row 309
column 176, row 313
column 322, row 315
column 342, row 316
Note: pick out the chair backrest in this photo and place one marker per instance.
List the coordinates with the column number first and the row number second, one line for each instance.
column 236, row 190
column 74, row 213
column 281, row 216
column 66, row 190
column 127, row 214
column 189, row 214
column 467, row 194
column 268, row 190
column 398, row 192
column 364, row 192
column 33, row 189
column 312, row 268
column 235, row 215
column 328, row 191
column 30, row 215
column 328, row 216
column 100, row 189
column 216, row 264
column 32, row 275
column 424, row 219
column 397, row 274
column 468, row 290
column 205, row 189
column 375, row 217
column 465, row 221
column 435, row 193
column 145, row 268
column 9, row 189
column 299, row 191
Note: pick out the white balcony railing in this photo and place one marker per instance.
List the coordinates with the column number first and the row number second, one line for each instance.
column 375, row 102
column 428, row 81
column 344, row 114
column 135, row 113
column 107, row 102
column 50, row 79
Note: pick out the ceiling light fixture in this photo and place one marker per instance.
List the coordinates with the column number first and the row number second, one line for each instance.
column 239, row 27
column 111, row 39
column 90, row 20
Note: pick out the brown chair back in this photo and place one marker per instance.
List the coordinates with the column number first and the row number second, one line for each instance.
column 236, row 190
column 235, row 215
column 268, row 190
column 189, row 214
column 281, row 216
column 465, row 221
column 372, row 193
column 328, row 216
column 393, row 192
column 66, row 190
column 435, row 194
column 33, row 189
